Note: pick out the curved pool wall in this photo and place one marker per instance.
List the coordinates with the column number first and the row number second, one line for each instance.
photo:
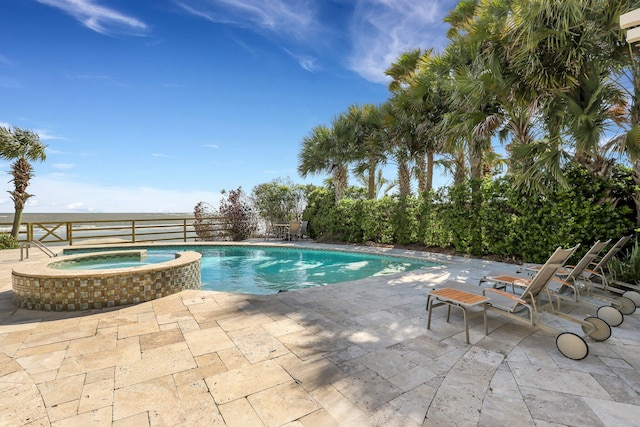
column 39, row 285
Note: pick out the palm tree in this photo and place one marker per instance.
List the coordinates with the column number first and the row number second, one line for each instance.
column 364, row 127
column 323, row 151
column 22, row 146
column 417, row 105
column 564, row 54
column 402, row 119
column 428, row 97
column 397, row 133
column 383, row 185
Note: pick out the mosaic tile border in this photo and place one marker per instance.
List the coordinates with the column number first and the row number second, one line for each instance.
column 38, row 286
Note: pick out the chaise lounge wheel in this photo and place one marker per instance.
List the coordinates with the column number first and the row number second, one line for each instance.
column 572, row 346
column 633, row 296
column 627, row 307
column 602, row 330
column 611, row 315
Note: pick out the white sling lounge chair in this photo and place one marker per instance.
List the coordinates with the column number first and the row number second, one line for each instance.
column 600, row 277
column 530, row 303
column 572, row 278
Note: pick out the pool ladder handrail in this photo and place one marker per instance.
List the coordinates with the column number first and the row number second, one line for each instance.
column 26, row 245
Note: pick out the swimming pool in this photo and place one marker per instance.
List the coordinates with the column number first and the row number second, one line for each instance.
column 265, row 270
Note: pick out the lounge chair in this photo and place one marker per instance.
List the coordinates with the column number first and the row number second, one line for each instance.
column 571, row 278
column 530, row 302
column 598, row 278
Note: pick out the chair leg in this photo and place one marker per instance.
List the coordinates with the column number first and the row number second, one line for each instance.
column 429, row 309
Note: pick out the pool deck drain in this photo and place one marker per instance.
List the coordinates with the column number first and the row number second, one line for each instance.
column 351, row 354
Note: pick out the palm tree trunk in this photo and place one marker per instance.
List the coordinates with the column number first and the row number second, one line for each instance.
column 429, row 171
column 372, row 179
column 476, row 172
column 404, row 179
column 17, row 219
column 460, row 172
column 22, row 173
column 340, row 181
column 421, row 173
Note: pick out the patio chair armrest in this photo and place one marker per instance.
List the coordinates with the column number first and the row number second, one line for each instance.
column 504, row 294
column 592, row 272
column 521, row 282
column 562, row 282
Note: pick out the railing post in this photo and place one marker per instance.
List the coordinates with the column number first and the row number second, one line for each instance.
column 133, row 231
column 70, row 233
column 184, row 229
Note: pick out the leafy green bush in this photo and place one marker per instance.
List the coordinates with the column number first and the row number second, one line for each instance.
column 496, row 220
column 350, row 228
column 432, row 231
column 7, row 241
column 626, row 268
column 377, row 220
column 279, row 200
column 321, row 212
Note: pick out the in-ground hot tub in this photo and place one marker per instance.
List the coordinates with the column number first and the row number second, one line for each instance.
column 47, row 285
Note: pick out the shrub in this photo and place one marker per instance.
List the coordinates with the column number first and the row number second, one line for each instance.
column 7, row 241
column 495, row 220
column 279, row 200
column 207, row 224
column 626, row 268
column 237, row 211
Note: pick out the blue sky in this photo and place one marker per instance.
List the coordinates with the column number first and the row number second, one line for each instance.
column 156, row 105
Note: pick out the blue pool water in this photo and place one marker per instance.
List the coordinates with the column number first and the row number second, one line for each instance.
column 267, row 270
column 124, row 262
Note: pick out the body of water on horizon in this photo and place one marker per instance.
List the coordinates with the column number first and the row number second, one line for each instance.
column 7, row 217
column 83, row 220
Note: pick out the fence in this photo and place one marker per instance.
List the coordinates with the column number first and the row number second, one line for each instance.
column 124, row 231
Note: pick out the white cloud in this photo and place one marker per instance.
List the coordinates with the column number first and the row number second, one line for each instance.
column 63, row 166
column 377, row 33
column 98, row 18
column 211, row 145
column 77, row 206
column 46, row 135
column 60, row 194
column 285, row 18
column 165, row 156
column 381, row 30
column 307, row 62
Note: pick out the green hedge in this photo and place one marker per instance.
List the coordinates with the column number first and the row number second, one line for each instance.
column 498, row 221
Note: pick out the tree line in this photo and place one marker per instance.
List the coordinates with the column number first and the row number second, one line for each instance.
column 550, row 83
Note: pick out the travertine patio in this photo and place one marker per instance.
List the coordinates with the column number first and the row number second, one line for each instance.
column 352, row 354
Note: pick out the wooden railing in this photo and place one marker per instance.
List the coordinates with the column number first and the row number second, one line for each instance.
column 123, row 231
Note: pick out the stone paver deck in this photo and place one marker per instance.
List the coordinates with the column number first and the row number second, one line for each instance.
column 352, row 354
